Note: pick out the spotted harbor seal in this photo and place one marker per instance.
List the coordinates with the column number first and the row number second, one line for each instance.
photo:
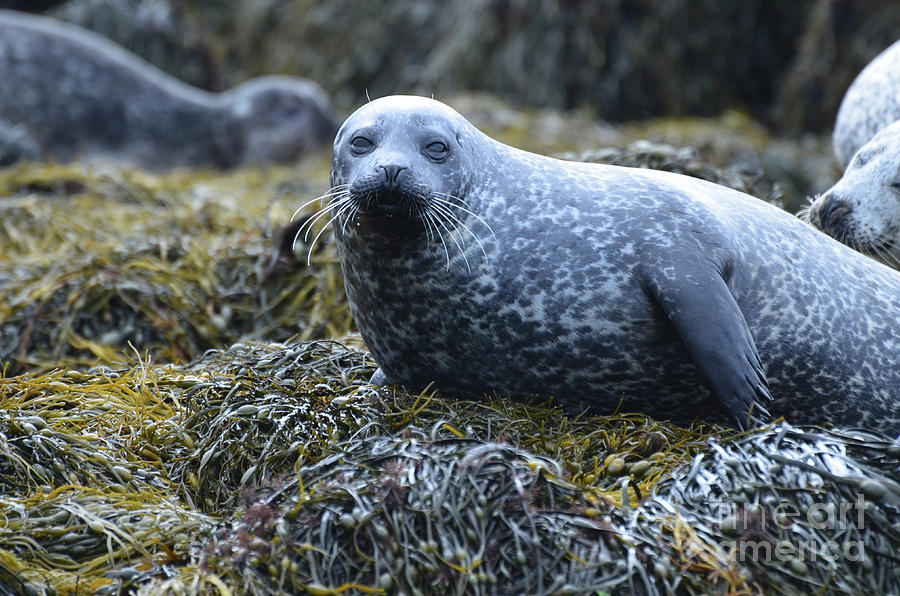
column 483, row 268
column 74, row 94
column 871, row 103
column 862, row 209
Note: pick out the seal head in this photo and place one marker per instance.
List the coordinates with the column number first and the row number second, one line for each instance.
column 862, row 209
column 280, row 118
column 402, row 167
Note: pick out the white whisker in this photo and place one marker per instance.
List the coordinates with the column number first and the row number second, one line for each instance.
column 337, row 214
column 886, row 253
column 339, row 208
column 332, row 203
column 440, row 236
column 336, row 205
column 419, row 214
column 438, row 197
column 308, row 224
column 455, row 241
column 348, row 217
column 330, row 194
column 449, row 214
column 309, row 254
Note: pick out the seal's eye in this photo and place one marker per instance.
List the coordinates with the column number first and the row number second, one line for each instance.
column 360, row 145
column 289, row 111
column 437, row 151
column 864, row 155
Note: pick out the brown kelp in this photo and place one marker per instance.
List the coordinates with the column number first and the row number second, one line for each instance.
column 96, row 259
column 274, row 468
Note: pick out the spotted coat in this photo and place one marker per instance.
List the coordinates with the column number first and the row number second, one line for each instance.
column 606, row 286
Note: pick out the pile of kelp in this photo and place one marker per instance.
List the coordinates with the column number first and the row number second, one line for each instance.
column 94, row 260
column 274, row 468
column 686, row 161
column 139, row 454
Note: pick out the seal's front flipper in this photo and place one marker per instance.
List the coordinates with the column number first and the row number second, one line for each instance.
column 712, row 326
column 379, row 378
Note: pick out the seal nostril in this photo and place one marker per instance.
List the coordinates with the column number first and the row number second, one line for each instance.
column 391, row 173
column 831, row 213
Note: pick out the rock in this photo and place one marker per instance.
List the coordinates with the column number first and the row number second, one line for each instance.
column 840, row 38
column 164, row 33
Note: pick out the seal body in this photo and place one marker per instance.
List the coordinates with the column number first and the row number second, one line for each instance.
column 862, row 209
column 483, row 268
column 74, row 94
column 871, row 103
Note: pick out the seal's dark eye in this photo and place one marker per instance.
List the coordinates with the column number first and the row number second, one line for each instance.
column 360, row 145
column 437, row 150
column 865, row 155
column 289, row 111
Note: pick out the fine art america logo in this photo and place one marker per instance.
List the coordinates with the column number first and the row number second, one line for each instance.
column 753, row 526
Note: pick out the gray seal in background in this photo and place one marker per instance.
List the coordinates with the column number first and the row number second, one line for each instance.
column 871, row 103
column 74, row 94
column 862, row 209
column 483, row 268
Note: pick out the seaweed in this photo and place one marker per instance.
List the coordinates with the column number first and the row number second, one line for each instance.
column 275, row 468
column 97, row 259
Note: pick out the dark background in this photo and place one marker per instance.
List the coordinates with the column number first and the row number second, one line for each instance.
column 785, row 63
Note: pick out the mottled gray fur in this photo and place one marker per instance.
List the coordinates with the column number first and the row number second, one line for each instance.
column 871, row 103
column 75, row 94
column 604, row 284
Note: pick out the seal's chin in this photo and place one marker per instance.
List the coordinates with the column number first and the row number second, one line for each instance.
column 393, row 221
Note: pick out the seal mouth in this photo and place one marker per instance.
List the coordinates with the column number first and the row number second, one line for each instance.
column 384, row 212
column 386, row 219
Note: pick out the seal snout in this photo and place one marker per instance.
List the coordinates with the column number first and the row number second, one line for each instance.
column 391, row 173
column 388, row 197
column 391, row 194
column 829, row 214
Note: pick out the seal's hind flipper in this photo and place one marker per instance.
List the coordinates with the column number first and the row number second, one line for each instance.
column 712, row 327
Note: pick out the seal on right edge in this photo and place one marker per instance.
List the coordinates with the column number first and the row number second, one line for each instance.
column 483, row 268
column 871, row 103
